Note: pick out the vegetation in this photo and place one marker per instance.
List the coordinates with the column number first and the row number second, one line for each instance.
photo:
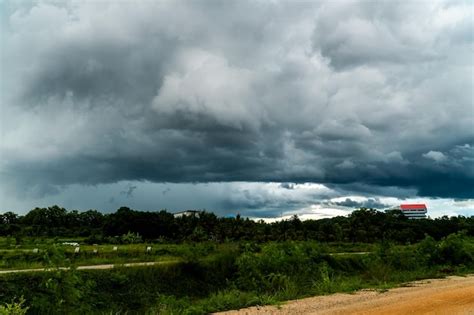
column 130, row 226
column 25, row 257
column 216, row 263
column 234, row 276
column 14, row 308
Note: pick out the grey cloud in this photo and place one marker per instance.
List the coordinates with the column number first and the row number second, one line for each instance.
column 369, row 203
column 342, row 130
column 129, row 191
column 272, row 199
column 287, row 185
column 367, row 32
column 435, row 156
column 199, row 91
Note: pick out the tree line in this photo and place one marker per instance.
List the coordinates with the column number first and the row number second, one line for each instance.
column 362, row 225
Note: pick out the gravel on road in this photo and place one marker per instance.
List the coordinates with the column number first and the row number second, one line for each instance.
column 450, row 296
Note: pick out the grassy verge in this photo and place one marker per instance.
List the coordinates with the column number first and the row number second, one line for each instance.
column 231, row 277
column 23, row 258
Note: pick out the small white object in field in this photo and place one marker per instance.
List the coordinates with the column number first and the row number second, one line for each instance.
column 76, row 250
column 71, row 243
column 148, row 248
column 95, row 251
column 115, row 248
column 35, row 250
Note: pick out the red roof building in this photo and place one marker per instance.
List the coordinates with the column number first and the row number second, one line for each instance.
column 415, row 206
column 414, row 211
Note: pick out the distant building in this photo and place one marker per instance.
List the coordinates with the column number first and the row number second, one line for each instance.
column 413, row 211
column 187, row 213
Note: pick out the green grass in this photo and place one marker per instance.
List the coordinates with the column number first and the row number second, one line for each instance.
column 237, row 299
column 341, row 247
column 25, row 258
column 215, row 277
column 15, row 255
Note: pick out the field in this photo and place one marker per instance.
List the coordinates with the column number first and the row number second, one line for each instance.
column 36, row 252
column 208, row 277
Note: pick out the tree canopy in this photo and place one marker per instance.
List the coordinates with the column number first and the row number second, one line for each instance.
column 362, row 225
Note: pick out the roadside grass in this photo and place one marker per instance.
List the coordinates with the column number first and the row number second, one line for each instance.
column 222, row 300
column 27, row 258
column 30, row 253
column 237, row 299
column 217, row 277
column 344, row 247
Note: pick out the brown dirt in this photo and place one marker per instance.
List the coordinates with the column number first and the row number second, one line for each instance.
column 450, row 296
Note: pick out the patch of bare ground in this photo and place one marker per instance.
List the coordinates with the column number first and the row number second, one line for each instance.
column 450, row 296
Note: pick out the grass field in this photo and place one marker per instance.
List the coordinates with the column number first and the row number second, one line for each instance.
column 36, row 254
column 209, row 277
column 33, row 252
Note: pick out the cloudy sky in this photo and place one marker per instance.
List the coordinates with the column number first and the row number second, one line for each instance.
column 264, row 108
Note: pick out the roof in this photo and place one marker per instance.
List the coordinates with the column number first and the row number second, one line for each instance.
column 186, row 211
column 418, row 206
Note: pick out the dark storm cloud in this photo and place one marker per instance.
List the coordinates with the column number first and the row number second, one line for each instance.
column 369, row 203
column 353, row 95
column 367, row 32
column 262, row 213
column 129, row 191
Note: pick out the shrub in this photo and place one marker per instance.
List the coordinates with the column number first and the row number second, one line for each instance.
column 428, row 251
column 131, row 238
column 278, row 265
column 14, row 308
column 455, row 250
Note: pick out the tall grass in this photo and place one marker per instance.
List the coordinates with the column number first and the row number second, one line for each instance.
column 220, row 278
column 105, row 254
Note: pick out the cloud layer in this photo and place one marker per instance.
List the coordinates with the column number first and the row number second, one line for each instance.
column 358, row 95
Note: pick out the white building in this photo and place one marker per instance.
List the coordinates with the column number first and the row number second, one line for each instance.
column 413, row 211
column 186, row 213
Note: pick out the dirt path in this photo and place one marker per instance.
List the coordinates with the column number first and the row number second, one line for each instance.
column 91, row 267
column 450, row 296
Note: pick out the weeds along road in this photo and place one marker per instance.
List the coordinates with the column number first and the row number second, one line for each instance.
column 94, row 267
column 134, row 264
column 450, row 296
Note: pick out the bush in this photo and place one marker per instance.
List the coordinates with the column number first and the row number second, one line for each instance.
column 131, row 238
column 428, row 251
column 278, row 265
column 455, row 250
column 14, row 308
column 212, row 278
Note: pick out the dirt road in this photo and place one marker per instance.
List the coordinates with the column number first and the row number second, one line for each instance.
column 91, row 267
column 450, row 296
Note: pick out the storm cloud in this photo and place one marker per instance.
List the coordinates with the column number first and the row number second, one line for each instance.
column 346, row 94
column 373, row 203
